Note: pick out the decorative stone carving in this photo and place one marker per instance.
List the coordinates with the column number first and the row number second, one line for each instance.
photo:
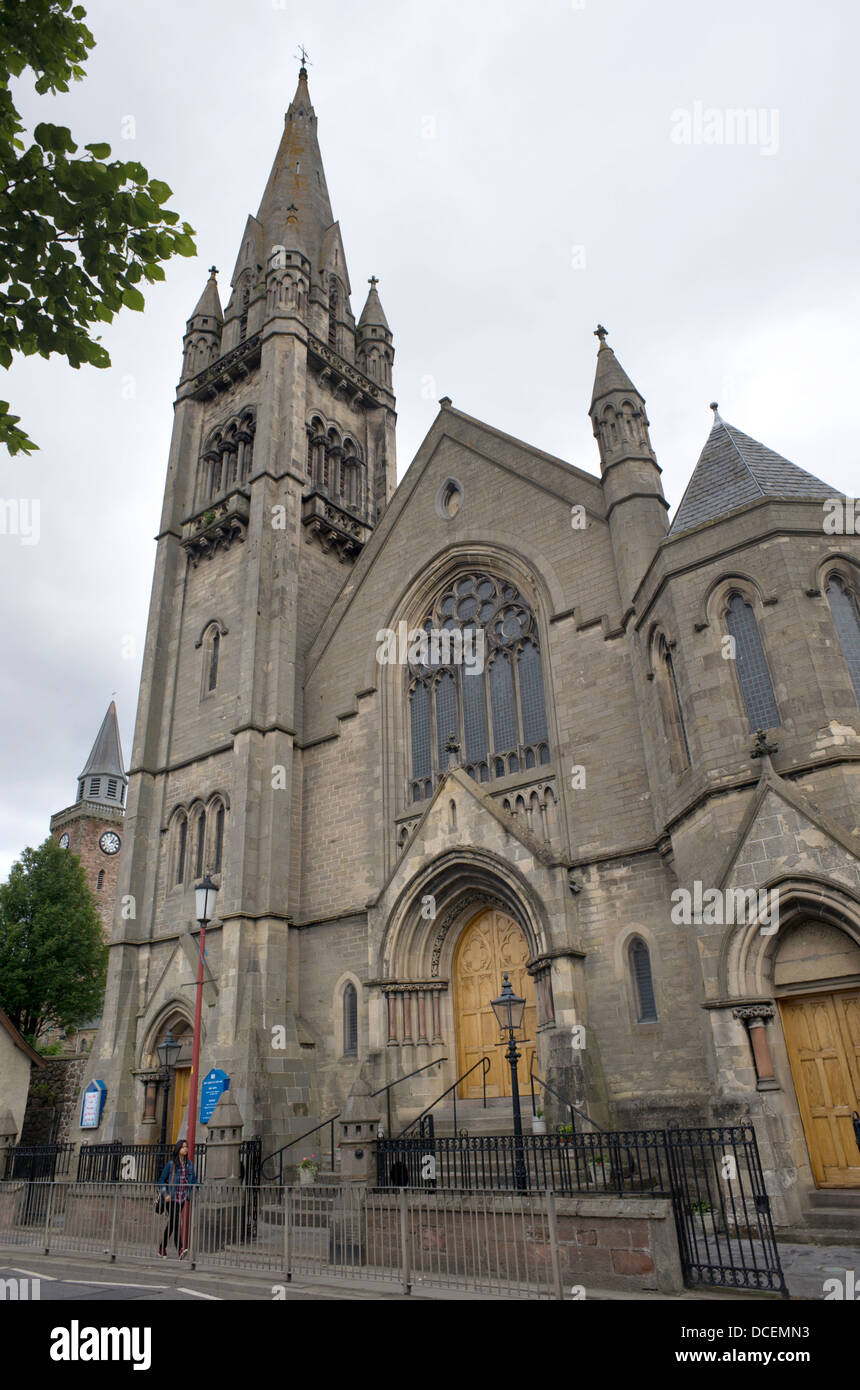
column 334, row 528
column 216, row 527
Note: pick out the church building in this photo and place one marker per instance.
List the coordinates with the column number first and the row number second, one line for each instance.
column 499, row 719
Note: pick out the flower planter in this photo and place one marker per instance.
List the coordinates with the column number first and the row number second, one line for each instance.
column 538, row 1125
column 307, row 1176
column 599, row 1173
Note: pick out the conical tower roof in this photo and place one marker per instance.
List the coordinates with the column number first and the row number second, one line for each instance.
column 209, row 303
column 734, row 470
column 106, row 756
column 373, row 312
column 297, row 179
column 609, row 374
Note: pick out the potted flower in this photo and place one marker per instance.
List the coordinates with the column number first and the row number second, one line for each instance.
column 538, row 1122
column 702, row 1219
column 565, row 1134
column 599, row 1166
column 308, row 1169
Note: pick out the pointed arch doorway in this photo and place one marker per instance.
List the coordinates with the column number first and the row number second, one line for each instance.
column 490, row 945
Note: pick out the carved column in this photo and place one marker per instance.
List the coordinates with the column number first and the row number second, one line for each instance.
column 422, row 1023
column 437, row 1024
column 755, row 1016
column 391, row 1001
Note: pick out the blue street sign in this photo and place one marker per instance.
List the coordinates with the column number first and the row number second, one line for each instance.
column 212, row 1087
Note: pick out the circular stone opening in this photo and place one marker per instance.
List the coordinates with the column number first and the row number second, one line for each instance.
column 449, row 498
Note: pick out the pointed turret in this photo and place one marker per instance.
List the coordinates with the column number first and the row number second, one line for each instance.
column 635, row 505
column 202, row 340
column 103, row 778
column 374, row 350
column 297, row 178
column 734, row 470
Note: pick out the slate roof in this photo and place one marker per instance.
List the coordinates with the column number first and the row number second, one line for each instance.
column 734, row 470
column 106, row 755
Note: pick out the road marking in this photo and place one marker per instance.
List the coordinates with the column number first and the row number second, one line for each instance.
column 213, row 1296
column 106, row 1284
column 33, row 1274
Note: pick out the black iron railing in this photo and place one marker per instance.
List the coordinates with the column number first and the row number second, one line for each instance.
column 116, row 1161
column 272, row 1166
column 573, row 1109
column 621, row 1162
column 36, row 1162
column 713, row 1177
column 408, row 1077
column 424, row 1121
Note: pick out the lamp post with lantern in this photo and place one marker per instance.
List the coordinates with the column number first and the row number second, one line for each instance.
column 168, row 1050
column 205, row 895
column 509, row 1009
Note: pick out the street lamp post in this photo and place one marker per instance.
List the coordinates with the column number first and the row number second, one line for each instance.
column 509, row 1009
column 205, row 895
column 168, row 1050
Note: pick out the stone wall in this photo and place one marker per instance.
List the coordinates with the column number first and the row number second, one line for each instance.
column 53, row 1102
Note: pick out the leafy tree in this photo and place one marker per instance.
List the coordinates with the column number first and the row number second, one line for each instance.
column 77, row 235
column 53, row 956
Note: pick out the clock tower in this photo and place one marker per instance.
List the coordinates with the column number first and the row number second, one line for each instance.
column 92, row 827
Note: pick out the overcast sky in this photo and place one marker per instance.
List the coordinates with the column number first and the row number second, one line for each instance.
column 514, row 172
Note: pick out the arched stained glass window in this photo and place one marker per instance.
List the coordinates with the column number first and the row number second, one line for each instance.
column 478, row 676
column 846, row 620
column 751, row 666
column 350, row 1021
column 641, row 979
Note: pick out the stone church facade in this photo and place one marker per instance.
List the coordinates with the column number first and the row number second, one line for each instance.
column 394, row 825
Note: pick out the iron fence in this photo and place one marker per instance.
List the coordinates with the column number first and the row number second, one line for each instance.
column 117, row 1161
column 500, row 1245
column 623, row 1162
column 36, row 1162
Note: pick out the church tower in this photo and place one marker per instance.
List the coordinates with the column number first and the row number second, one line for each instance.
column 92, row 827
column 282, row 461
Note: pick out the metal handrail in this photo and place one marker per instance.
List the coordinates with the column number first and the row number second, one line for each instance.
column 388, row 1089
column 574, row 1110
column 278, row 1153
column 483, row 1062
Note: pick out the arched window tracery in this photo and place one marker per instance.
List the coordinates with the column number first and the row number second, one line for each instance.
column 845, row 608
column 642, row 981
column 751, row 665
column 479, row 688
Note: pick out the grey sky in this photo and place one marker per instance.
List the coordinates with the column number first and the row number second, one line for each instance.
column 508, row 170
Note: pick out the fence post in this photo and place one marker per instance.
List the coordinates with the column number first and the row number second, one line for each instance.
column 404, row 1242
column 111, row 1251
column 193, row 1198
column 555, row 1253
column 288, row 1234
column 48, row 1215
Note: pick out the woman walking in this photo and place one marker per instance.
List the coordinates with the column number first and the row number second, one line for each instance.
column 175, row 1185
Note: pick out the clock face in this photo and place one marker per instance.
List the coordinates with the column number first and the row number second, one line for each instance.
column 109, row 842
column 64, row 842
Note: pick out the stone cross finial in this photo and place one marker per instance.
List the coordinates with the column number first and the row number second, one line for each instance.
column 303, row 55
column 600, row 332
column 213, row 270
column 373, row 281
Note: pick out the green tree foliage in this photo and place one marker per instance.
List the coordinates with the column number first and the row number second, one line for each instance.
column 53, row 956
column 77, row 234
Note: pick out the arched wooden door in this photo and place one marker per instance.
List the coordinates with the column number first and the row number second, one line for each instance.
column 181, row 1093
column 491, row 945
column 823, row 1036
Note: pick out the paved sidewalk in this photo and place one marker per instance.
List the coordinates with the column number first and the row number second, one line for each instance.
column 808, row 1267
